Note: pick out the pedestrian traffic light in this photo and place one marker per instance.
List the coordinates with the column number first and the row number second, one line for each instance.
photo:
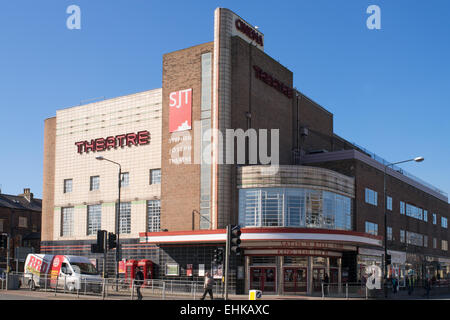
column 235, row 239
column 218, row 256
column 3, row 241
column 388, row 259
column 112, row 240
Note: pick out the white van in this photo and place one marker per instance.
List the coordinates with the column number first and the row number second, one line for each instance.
column 69, row 272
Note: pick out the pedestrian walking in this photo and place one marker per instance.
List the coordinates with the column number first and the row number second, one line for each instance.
column 138, row 281
column 427, row 287
column 326, row 281
column 208, row 286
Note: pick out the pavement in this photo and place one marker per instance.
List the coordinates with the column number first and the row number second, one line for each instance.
column 26, row 294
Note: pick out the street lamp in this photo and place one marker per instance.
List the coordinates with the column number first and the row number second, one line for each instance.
column 416, row 159
column 117, row 216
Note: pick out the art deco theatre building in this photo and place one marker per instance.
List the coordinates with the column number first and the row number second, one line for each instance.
column 183, row 179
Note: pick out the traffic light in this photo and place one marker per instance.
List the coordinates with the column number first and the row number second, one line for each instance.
column 388, row 259
column 99, row 247
column 112, row 240
column 3, row 241
column 235, row 239
column 218, row 256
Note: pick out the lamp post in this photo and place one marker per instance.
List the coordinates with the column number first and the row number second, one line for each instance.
column 117, row 218
column 417, row 159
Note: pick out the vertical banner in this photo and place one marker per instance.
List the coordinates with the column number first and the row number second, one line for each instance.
column 180, row 110
column 201, row 270
column 54, row 270
column 189, row 270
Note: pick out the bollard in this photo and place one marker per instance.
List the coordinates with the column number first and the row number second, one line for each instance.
column 45, row 285
column 56, row 284
column 366, row 293
column 65, row 279
column 85, row 285
column 132, row 290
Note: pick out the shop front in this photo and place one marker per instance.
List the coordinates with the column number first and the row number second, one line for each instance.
column 286, row 261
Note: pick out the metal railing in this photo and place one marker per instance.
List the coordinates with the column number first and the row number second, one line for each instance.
column 359, row 290
column 110, row 288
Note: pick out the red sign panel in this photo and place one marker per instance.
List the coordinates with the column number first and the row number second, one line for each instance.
column 180, row 110
column 55, row 268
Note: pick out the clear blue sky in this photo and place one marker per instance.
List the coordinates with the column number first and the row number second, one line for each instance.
column 389, row 89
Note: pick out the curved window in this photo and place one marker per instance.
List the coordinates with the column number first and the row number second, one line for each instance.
column 293, row 207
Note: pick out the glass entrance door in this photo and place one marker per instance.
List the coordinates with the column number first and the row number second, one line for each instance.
column 263, row 278
column 294, row 279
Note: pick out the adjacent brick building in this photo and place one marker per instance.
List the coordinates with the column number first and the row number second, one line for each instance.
column 20, row 218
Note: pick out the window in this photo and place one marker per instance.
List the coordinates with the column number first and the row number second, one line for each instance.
column 371, row 197
column 125, row 217
column 94, row 219
column 425, row 241
column 444, row 222
column 389, row 203
column 434, row 218
column 153, row 215
column 155, row 176
column 402, row 236
column 434, row 243
column 371, row 228
column 95, row 183
column 1, row 225
column 444, row 245
column 67, row 185
column 67, row 222
column 414, row 212
column 402, row 207
column 23, row 223
column 125, row 179
column 294, row 207
column 425, row 215
column 414, row 238
column 389, row 233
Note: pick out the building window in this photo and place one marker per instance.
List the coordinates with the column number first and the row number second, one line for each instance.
column 434, row 218
column 434, row 243
column 67, row 222
column 444, row 245
column 425, row 215
column 125, row 179
column 371, row 228
column 414, row 212
column 444, row 222
column 23, row 223
column 125, row 217
column 155, row 176
column 389, row 233
column 95, row 183
column 425, row 241
column 402, row 207
column 294, row 207
column 94, row 219
column 389, row 203
column 67, row 185
column 414, row 238
column 402, row 236
column 154, row 215
column 371, row 197
column 1, row 225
